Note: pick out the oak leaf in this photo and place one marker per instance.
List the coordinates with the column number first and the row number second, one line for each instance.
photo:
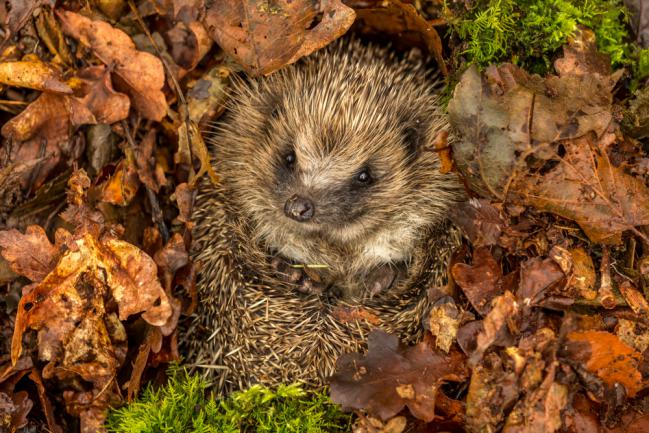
column 264, row 36
column 140, row 74
column 391, row 377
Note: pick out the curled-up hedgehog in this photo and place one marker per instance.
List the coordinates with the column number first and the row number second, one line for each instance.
column 329, row 219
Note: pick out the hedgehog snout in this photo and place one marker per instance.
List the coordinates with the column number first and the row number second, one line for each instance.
column 299, row 208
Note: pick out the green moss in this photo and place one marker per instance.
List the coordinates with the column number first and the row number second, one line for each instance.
column 181, row 406
column 531, row 32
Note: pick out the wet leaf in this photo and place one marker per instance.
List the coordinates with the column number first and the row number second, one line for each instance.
column 140, row 74
column 263, row 37
column 391, row 377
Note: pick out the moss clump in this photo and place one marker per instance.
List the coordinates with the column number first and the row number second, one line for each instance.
column 530, row 32
column 181, row 406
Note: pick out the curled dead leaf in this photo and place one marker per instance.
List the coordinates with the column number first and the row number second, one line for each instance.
column 140, row 74
column 33, row 75
column 263, row 37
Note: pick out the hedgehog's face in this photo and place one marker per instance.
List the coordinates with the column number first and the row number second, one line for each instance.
column 339, row 182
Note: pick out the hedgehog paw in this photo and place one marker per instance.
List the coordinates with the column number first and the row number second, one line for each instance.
column 383, row 277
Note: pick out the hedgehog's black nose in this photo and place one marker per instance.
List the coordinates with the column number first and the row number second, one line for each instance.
column 299, row 208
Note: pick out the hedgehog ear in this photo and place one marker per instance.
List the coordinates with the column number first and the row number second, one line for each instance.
column 414, row 138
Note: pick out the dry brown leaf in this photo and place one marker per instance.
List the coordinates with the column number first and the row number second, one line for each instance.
column 97, row 94
column 443, row 322
column 495, row 386
column 538, row 278
column 402, row 21
column 122, row 186
column 540, row 410
column 391, row 377
column 543, row 143
column 20, row 12
column 191, row 143
column 188, row 43
column 583, row 278
column 499, row 320
column 140, row 74
column 634, row 299
column 33, row 74
column 479, row 220
column 56, row 304
column 149, row 169
column 42, row 132
column 30, row 254
column 264, row 36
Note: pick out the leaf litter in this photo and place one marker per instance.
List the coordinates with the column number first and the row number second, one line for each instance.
column 542, row 327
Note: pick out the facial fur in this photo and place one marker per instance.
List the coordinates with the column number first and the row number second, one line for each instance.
column 331, row 159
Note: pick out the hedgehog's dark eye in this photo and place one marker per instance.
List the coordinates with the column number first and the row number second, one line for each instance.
column 364, row 177
column 290, row 159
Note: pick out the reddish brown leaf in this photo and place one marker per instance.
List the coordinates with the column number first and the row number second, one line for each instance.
column 140, row 74
column 481, row 281
column 400, row 20
column 479, row 220
column 42, row 132
column 263, row 38
column 97, row 94
column 56, row 305
column 346, row 314
column 188, row 43
column 538, row 276
column 391, row 377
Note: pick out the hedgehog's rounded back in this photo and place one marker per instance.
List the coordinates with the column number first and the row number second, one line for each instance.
column 325, row 162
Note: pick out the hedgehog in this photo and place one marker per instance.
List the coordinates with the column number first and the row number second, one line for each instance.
column 329, row 219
